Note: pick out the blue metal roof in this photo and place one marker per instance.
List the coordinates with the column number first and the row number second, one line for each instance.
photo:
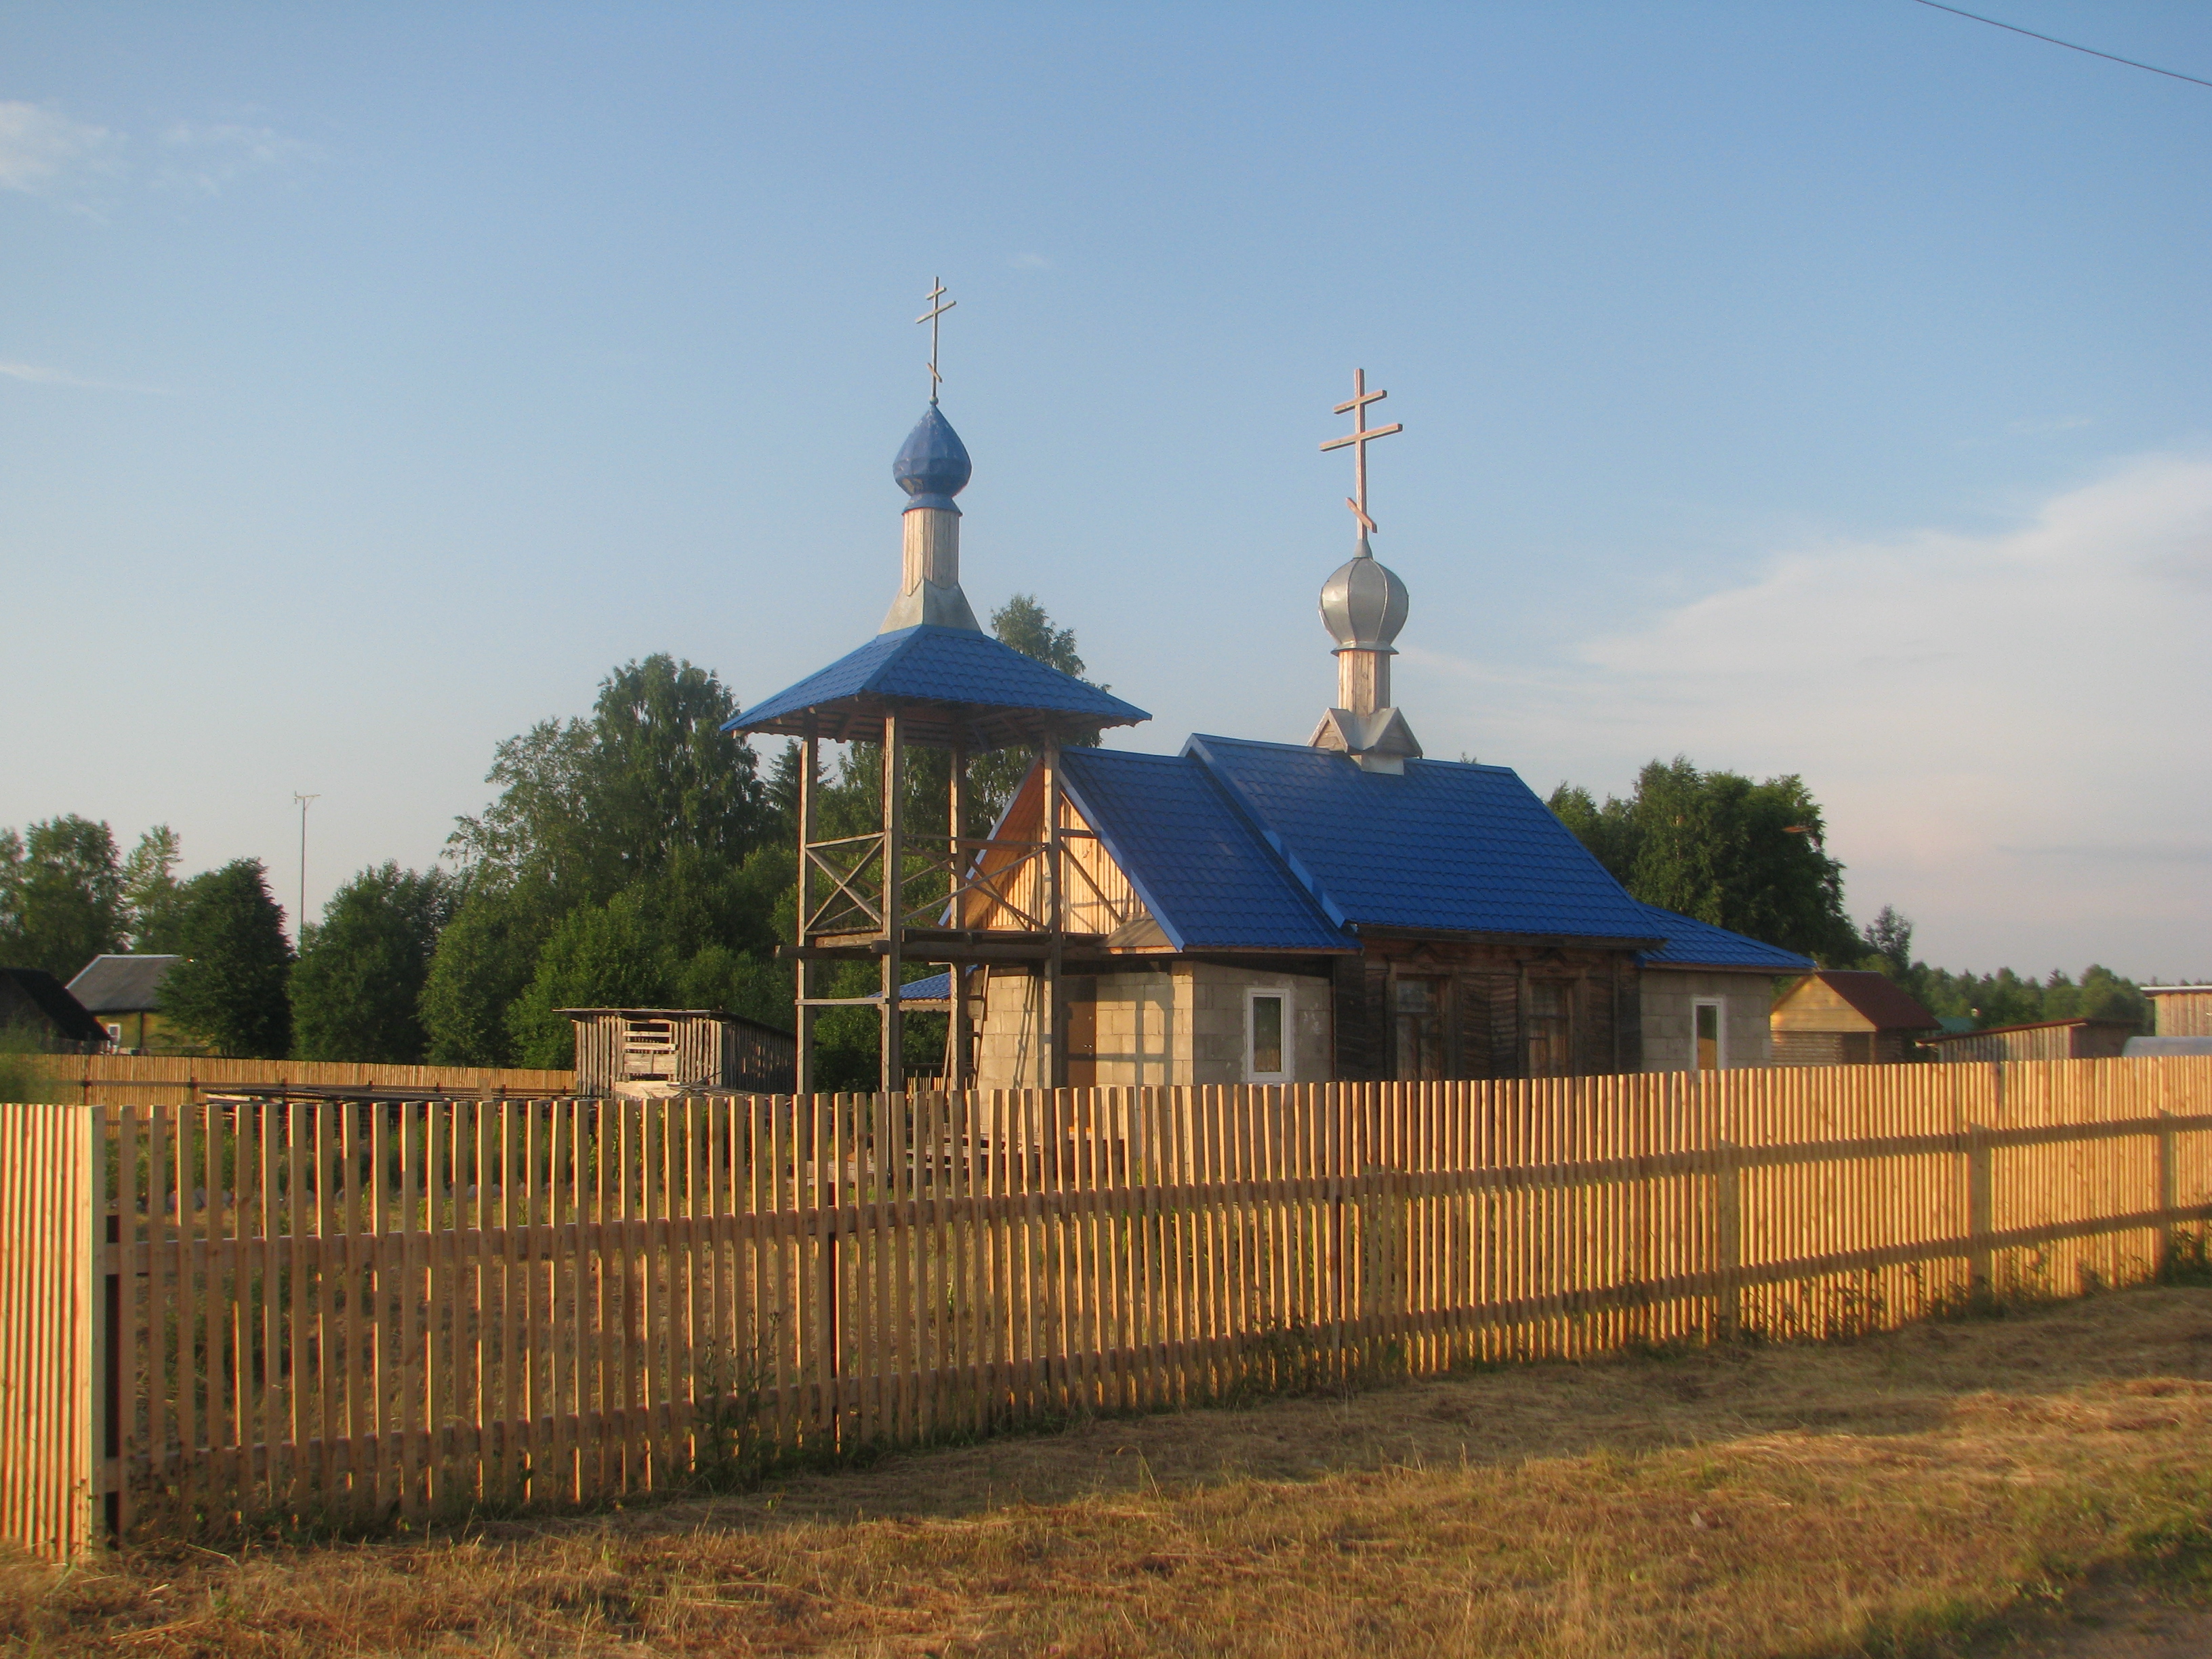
column 1448, row 846
column 1199, row 867
column 930, row 664
column 937, row 988
column 1694, row 943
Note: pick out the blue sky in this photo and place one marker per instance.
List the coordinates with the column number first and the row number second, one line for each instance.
column 1802, row 388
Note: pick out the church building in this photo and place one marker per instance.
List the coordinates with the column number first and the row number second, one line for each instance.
column 1239, row 911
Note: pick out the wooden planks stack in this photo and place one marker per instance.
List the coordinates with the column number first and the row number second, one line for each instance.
column 420, row 1306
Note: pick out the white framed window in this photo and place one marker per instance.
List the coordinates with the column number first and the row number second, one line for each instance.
column 1709, row 1034
column 1267, row 1036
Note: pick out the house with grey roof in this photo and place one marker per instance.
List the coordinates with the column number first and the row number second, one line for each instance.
column 124, row 994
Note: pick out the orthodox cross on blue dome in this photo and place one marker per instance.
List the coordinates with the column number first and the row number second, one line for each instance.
column 1362, row 435
column 938, row 305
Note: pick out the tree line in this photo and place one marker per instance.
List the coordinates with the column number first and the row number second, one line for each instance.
column 635, row 857
column 1752, row 857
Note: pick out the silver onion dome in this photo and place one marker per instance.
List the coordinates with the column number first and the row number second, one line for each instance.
column 1363, row 606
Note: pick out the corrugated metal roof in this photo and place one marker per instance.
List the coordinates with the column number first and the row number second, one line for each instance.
column 934, row 665
column 122, row 984
column 1448, row 847
column 1694, row 943
column 1205, row 875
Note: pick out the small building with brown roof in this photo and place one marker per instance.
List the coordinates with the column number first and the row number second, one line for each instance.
column 1847, row 1017
column 2042, row 1039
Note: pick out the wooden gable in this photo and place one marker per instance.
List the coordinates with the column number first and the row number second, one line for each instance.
column 1008, row 891
column 1814, row 1004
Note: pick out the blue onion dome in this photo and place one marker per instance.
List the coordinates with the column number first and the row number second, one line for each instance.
column 1363, row 604
column 933, row 463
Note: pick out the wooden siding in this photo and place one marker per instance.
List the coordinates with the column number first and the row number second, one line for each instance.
column 1812, row 1005
column 1095, row 894
column 1487, row 1027
column 434, row 1304
column 2073, row 1039
column 2182, row 1014
column 663, row 1052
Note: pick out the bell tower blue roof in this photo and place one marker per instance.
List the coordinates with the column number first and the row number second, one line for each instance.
column 931, row 465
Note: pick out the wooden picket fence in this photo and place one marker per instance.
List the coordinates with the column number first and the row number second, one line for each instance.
column 173, row 1079
column 355, row 1309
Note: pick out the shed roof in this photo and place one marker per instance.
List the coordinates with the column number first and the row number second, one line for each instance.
column 954, row 684
column 1201, row 866
column 2169, row 990
column 1446, row 847
column 1694, row 943
column 122, row 984
column 42, row 990
column 1883, row 1002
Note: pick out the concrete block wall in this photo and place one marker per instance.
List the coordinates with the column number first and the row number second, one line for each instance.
column 1183, row 1026
column 1669, row 1033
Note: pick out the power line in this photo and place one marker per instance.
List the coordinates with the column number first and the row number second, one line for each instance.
column 2109, row 57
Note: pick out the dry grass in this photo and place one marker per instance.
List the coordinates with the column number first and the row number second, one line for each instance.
column 1920, row 1492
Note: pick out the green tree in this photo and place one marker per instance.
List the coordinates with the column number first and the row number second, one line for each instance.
column 1716, row 846
column 2003, row 997
column 357, row 985
column 587, row 807
column 648, row 802
column 60, row 896
column 230, row 991
column 1889, row 936
column 485, row 957
column 150, row 892
column 600, row 957
column 1022, row 623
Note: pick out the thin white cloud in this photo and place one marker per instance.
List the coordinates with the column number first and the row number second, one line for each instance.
column 203, row 158
column 35, row 374
column 45, row 153
column 2008, row 730
column 1031, row 262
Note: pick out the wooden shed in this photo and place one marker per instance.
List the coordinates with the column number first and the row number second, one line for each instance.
column 649, row 1052
column 1846, row 1016
column 2043, row 1039
column 2181, row 1010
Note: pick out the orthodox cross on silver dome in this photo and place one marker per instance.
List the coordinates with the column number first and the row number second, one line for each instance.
column 938, row 305
column 1362, row 435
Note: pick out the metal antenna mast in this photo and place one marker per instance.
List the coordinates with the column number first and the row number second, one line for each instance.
column 299, row 924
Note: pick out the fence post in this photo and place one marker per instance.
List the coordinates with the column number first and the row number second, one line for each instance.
column 1981, row 1255
column 1728, row 1242
column 2169, row 1193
